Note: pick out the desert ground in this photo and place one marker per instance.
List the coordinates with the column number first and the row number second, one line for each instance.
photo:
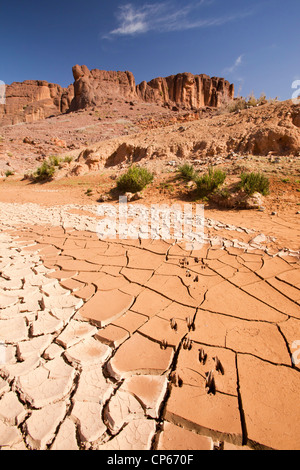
column 149, row 344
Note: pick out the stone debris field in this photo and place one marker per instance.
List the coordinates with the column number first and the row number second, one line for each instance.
column 143, row 344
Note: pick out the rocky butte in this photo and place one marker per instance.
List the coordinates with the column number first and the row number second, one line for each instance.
column 33, row 100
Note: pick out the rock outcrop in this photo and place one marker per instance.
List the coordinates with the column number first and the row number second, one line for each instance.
column 95, row 87
column 33, row 100
column 187, row 90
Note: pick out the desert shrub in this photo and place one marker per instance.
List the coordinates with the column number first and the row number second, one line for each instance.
column 254, row 182
column 44, row 172
column 237, row 105
column 68, row 159
column 9, row 173
column 187, row 172
column 241, row 103
column 54, row 160
column 209, row 182
column 134, row 180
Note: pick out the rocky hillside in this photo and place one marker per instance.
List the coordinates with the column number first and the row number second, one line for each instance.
column 271, row 129
column 34, row 100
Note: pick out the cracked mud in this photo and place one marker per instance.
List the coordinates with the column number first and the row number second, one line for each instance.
column 140, row 344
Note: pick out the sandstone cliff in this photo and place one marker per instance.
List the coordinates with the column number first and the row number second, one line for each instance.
column 33, row 100
column 187, row 90
column 93, row 88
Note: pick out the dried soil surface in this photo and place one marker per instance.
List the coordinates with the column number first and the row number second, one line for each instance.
column 216, row 327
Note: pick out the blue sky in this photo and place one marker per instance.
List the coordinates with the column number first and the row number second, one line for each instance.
column 253, row 44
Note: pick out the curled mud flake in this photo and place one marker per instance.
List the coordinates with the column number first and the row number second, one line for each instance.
column 196, row 279
column 210, row 385
column 202, row 356
column 219, row 367
column 173, row 324
column 187, row 344
column 175, row 379
column 190, row 324
column 164, row 344
column 188, row 273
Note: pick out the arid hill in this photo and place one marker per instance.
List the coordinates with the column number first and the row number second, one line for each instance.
column 272, row 128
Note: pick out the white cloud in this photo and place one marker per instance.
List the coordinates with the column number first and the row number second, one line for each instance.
column 166, row 17
column 235, row 66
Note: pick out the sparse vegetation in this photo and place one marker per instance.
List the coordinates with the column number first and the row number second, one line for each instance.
column 44, row 172
column 255, row 182
column 9, row 173
column 54, row 160
column 244, row 103
column 47, row 169
column 187, row 172
column 134, row 180
column 89, row 192
column 209, row 182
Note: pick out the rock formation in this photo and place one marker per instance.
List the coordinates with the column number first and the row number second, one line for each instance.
column 187, row 90
column 93, row 88
column 34, row 100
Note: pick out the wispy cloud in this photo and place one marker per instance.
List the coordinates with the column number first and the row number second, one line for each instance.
column 166, row 17
column 233, row 68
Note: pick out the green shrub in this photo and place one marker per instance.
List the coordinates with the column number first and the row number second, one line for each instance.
column 44, row 172
column 254, row 182
column 68, row 159
column 134, row 180
column 187, row 172
column 209, row 182
column 9, row 173
column 54, row 160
